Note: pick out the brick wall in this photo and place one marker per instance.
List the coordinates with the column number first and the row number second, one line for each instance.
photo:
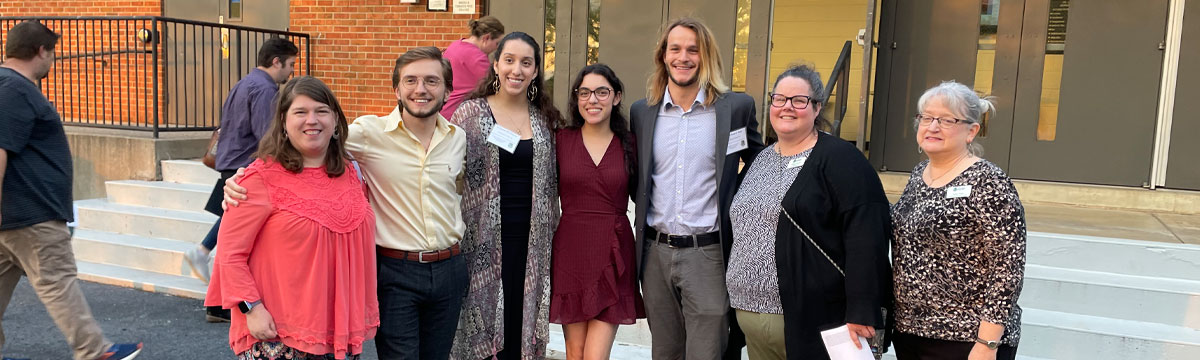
column 113, row 89
column 80, row 8
column 356, row 42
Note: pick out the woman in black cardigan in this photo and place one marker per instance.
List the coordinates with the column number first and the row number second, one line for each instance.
column 833, row 194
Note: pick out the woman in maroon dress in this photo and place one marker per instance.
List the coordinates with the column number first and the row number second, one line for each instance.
column 593, row 276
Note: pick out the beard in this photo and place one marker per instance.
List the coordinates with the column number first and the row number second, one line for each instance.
column 686, row 82
column 437, row 107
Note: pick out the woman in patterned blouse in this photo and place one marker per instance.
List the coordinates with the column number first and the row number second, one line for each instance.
column 785, row 277
column 959, row 250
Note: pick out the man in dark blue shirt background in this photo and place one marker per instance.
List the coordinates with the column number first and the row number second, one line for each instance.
column 247, row 115
column 35, row 199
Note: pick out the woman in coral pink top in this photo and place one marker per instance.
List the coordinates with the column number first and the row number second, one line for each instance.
column 298, row 261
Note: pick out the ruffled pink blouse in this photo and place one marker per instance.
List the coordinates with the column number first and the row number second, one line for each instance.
column 303, row 244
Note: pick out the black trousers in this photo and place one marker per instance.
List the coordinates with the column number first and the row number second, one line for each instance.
column 912, row 347
column 419, row 305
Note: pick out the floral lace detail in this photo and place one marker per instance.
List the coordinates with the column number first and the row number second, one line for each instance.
column 338, row 204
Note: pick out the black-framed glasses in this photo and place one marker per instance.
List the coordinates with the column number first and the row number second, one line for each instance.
column 799, row 102
column 602, row 93
column 943, row 122
column 430, row 82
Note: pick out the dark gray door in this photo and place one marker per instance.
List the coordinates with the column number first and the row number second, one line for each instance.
column 931, row 41
column 1183, row 168
column 1098, row 125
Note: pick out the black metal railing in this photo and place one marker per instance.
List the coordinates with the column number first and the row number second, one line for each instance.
column 150, row 73
column 839, row 79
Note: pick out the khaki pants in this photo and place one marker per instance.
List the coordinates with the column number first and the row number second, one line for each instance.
column 687, row 305
column 764, row 335
column 42, row 252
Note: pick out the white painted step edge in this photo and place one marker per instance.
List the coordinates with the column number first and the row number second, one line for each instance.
column 1129, row 329
column 104, row 205
column 206, row 189
column 1137, row 282
column 1114, row 241
column 142, row 280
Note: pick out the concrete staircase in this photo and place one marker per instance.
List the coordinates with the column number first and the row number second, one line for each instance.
column 1098, row 298
column 136, row 236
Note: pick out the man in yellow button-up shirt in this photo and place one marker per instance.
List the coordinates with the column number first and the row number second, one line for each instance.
column 412, row 161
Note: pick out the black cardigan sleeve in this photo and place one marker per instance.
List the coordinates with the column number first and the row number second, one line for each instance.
column 865, row 226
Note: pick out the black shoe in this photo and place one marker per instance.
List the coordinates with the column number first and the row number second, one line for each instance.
column 215, row 314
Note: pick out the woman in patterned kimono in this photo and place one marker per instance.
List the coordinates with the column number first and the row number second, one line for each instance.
column 959, row 233
column 510, row 206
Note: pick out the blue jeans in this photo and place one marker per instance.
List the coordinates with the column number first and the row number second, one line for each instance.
column 419, row 304
column 210, row 240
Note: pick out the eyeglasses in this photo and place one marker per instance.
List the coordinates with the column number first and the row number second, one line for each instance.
column 602, row 93
column 944, row 122
column 799, row 102
column 430, row 83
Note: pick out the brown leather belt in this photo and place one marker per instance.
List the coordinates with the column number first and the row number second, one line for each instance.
column 420, row 256
column 683, row 241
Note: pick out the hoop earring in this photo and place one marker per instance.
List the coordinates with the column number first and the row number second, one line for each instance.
column 496, row 85
column 532, row 92
column 335, row 135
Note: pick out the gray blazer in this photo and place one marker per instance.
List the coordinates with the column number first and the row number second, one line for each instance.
column 734, row 111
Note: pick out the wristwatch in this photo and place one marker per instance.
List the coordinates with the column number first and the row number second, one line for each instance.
column 245, row 306
column 990, row 344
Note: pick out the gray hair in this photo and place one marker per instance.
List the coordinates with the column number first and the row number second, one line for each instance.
column 964, row 103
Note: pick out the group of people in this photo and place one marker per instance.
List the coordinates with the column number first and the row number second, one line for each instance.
column 464, row 237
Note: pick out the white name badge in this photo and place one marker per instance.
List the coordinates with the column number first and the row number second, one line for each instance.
column 797, row 162
column 504, row 138
column 958, row 191
column 737, row 141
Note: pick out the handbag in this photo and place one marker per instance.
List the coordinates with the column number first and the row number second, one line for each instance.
column 210, row 156
column 876, row 342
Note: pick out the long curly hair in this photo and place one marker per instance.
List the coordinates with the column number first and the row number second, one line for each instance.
column 617, row 122
column 540, row 99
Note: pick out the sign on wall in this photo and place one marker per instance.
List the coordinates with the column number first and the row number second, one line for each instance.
column 464, row 6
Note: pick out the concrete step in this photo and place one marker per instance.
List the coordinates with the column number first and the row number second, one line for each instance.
column 189, row 172
column 142, row 280
column 159, row 194
column 136, row 252
column 1159, row 300
column 101, row 215
column 1066, row 336
column 1120, row 256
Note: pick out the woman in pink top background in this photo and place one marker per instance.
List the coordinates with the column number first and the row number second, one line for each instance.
column 298, row 260
column 469, row 60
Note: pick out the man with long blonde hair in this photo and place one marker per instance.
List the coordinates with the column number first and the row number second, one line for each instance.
column 691, row 132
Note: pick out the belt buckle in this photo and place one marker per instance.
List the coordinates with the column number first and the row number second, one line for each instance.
column 421, row 256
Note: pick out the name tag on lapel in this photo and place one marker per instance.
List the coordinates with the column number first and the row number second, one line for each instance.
column 504, row 138
column 737, row 141
column 958, row 191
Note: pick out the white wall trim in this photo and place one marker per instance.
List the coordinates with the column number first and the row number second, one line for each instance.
column 1166, row 100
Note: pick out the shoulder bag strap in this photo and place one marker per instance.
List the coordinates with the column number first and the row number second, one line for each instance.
column 814, row 243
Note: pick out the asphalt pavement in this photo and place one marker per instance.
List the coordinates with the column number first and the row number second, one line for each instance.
column 171, row 327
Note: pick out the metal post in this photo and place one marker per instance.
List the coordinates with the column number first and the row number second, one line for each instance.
column 865, row 90
column 157, row 36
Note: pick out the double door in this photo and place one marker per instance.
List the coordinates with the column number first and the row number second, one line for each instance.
column 1075, row 84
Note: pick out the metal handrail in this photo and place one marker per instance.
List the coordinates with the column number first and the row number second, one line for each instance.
column 839, row 78
column 151, row 73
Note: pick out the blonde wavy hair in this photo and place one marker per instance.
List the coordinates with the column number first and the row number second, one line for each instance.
column 709, row 69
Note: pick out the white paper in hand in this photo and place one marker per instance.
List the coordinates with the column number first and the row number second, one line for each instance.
column 838, row 345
